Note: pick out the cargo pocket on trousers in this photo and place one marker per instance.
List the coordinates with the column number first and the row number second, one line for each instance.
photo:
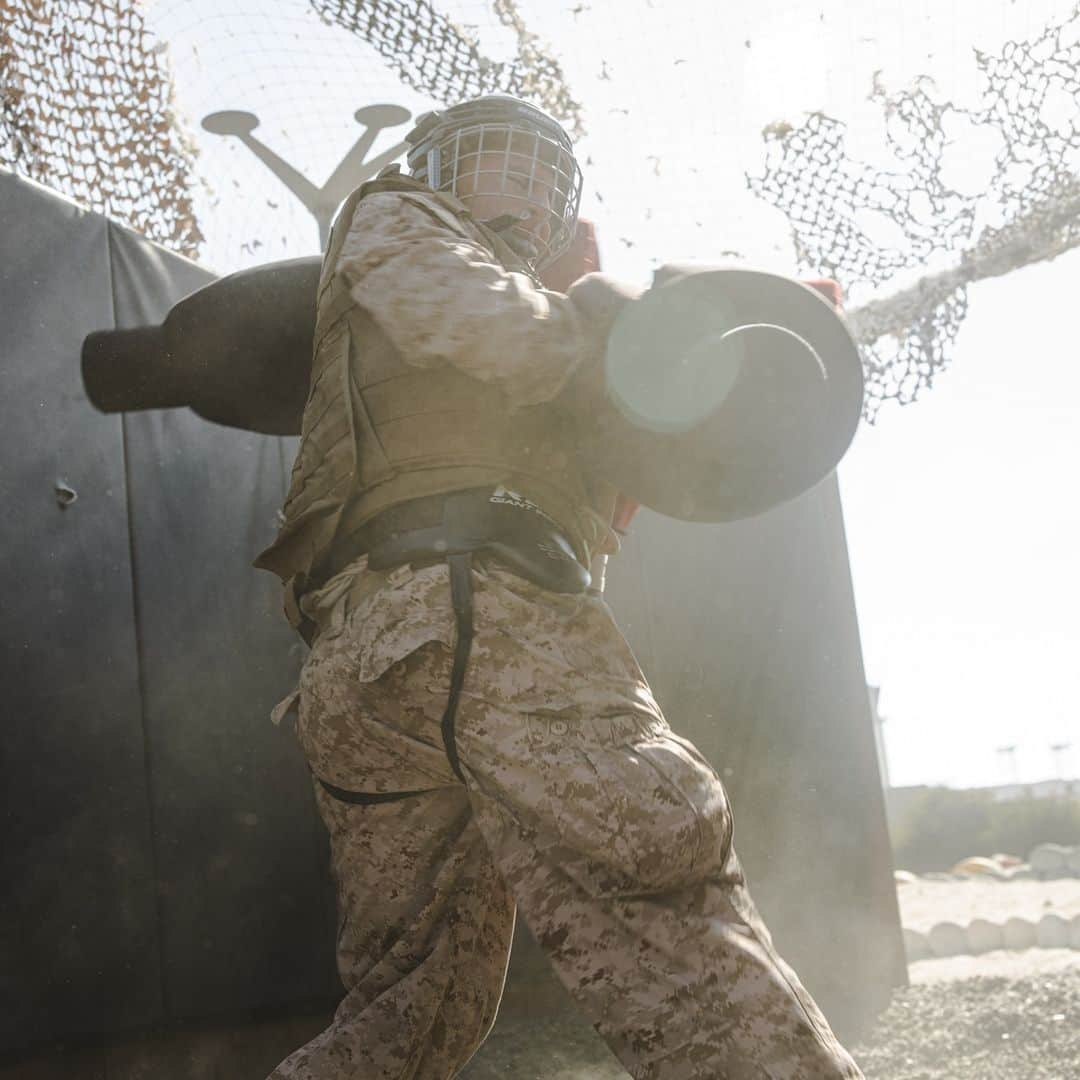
column 703, row 789
column 690, row 813
column 650, row 817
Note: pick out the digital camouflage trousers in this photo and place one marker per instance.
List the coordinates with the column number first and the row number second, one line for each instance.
column 610, row 833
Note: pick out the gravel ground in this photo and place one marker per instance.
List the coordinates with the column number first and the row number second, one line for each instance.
column 559, row 1046
column 982, row 1028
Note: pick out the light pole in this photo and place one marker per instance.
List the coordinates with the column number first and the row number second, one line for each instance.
column 1058, row 750
column 1009, row 752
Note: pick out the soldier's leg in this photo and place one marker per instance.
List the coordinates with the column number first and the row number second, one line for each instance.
column 682, row 984
column 615, row 836
column 642, row 908
column 425, row 926
column 425, row 921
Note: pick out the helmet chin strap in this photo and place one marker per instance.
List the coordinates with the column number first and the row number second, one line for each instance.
column 520, row 245
column 503, row 221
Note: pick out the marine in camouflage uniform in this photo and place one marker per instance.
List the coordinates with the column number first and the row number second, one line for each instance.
column 572, row 799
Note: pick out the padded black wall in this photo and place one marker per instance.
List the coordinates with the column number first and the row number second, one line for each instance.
column 76, row 867
column 161, row 859
column 246, row 913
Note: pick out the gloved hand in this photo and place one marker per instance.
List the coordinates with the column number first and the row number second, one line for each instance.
column 598, row 298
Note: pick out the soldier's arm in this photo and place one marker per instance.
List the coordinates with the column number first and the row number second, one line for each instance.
column 441, row 297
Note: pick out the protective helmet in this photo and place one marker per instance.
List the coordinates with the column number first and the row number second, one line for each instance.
column 511, row 149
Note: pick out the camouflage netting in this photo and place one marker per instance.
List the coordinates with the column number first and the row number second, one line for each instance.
column 85, row 109
column 1027, row 211
column 86, row 97
column 431, row 53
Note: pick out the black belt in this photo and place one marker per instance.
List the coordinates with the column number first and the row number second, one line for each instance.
column 453, row 527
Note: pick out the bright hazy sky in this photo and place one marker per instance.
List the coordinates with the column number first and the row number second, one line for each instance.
column 961, row 511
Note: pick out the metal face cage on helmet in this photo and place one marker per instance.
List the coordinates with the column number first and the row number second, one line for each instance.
column 504, row 147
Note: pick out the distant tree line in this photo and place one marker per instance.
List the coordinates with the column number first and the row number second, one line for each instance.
column 939, row 826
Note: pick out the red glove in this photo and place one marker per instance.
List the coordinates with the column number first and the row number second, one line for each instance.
column 580, row 258
column 625, row 509
column 829, row 289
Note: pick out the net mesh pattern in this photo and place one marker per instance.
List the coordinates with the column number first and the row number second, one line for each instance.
column 432, row 54
column 85, row 107
column 1028, row 208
